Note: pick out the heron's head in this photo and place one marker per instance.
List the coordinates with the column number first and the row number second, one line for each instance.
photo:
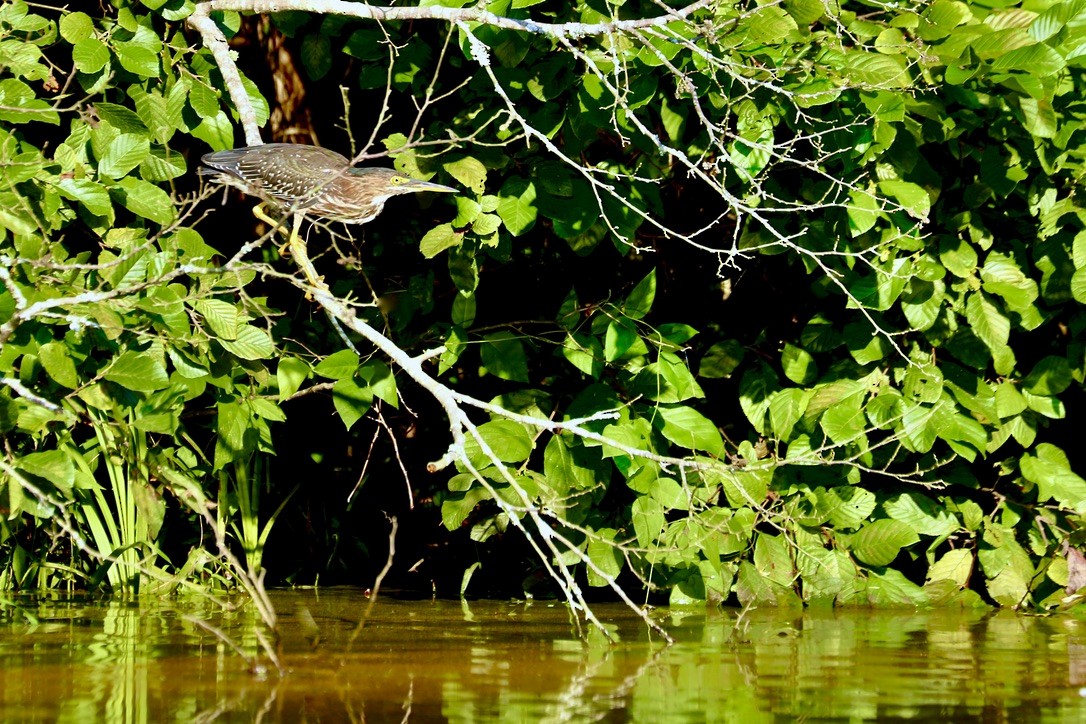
column 379, row 184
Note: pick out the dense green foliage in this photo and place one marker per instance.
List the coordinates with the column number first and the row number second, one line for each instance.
column 823, row 264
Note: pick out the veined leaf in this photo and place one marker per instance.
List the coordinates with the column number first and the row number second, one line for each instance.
column 252, row 343
column 688, row 428
column 137, row 371
column 503, row 356
column 879, row 542
column 508, row 440
column 987, row 322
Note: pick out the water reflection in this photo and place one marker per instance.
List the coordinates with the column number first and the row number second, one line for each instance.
column 421, row 661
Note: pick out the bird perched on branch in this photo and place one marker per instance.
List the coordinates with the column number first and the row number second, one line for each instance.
column 310, row 181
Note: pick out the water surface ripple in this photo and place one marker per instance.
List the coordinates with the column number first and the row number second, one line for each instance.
column 78, row 660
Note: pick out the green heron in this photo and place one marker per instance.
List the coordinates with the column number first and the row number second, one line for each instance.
column 310, row 181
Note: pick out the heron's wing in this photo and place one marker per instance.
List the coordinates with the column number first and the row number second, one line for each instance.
column 288, row 174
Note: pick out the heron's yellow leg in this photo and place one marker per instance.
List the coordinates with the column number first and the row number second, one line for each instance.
column 294, row 246
column 260, row 212
column 301, row 258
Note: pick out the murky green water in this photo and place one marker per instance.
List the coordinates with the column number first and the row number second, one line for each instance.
column 487, row 661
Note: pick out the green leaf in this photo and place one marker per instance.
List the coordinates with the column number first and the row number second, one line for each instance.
column 123, row 154
column 786, row 408
column 486, row 224
column 847, row 507
column 923, row 303
column 923, row 383
column 688, row 428
column 137, row 58
column 891, row 588
column 875, row 69
column 1051, row 471
column 58, row 364
column 648, row 520
column 917, row 428
column 768, row 25
column 464, row 270
column 1000, row 42
column 252, row 343
column 753, row 589
column 673, row 119
column 666, row 380
column 958, row 256
column 146, row 200
column 670, row 494
column 155, row 113
column 221, row 317
column 955, row 565
column 941, row 17
column 1002, row 276
column 798, row 365
column 878, row 543
column 467, row 211
column 508, row 440
column 468, row 171
column 773, row 559
column 339, row 365
column 1050, row 376
column 204, row 99
column 987, row 322
column 90, row 55
column 381, row 381
column 755, row 388
column 123, row 119
column 91, row 195
column 635, row 433
column 863, row 212
column 136, row 371
column 51, row 465
column 185, row 366
column 1010, row 586
column 620, row 336
column 639, row 301
column 76, row 26
column 563, row 471
column 584, row 352
column 721, row 359
column 163, row 165
column 1039, row 60
column 463, row 310
column 316, row 55
column 438, row 239
column 267, row 410
column 1009, row 401
column 351, row 400
column 845, row 422
column 456, row 341
column 677, row 332
column 503, row 356
column 516, row 205
column 605, row 555
column 216, row 131
column 1048, row 406
column 913, row 198
column 1078, row 285
column 291, row 374
column 921, row 514
column 746, row 487
column 455, row 509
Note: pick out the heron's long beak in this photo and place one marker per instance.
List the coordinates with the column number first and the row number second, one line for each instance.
column 417, row 185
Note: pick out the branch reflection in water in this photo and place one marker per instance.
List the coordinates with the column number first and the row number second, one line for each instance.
column 485, row 661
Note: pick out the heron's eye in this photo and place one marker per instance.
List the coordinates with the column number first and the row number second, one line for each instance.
column 397, row 180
